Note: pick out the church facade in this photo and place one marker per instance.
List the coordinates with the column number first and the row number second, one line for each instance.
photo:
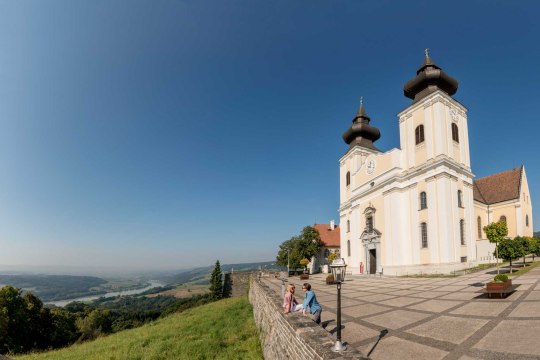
column 417, row 208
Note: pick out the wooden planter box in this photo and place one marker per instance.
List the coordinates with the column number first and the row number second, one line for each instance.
column 494, row 286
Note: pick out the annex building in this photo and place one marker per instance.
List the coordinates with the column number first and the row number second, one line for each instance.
column 416, row 208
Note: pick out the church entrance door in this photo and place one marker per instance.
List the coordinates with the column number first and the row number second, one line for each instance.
column 372, row 261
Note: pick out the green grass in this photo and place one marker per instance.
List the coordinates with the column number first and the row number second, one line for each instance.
column 523, row 270
column 220, row 330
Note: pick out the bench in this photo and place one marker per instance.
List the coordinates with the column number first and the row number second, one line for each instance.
column 502, row 292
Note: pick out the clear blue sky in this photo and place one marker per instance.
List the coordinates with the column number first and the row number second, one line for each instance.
column 163, row 134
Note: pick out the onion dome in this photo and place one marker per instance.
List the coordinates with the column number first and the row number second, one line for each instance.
column 429, row 78
column 361, row 133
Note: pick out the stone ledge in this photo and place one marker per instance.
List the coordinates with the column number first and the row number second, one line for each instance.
column 291, row 335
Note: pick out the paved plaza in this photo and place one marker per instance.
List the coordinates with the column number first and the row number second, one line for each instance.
column 433, row 318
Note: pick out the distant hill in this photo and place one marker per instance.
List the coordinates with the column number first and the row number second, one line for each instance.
column 201, row 275
column 536, row 234
column 56, row 287
column 224, row 329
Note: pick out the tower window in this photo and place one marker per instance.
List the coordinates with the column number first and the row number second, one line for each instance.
column 348, row 247
column 423, row 231
column 423, row 200
column 369, row 223
column 348, row 226
column 479, row 223
column 503, row 219
column 460, row 198
column 455, row 134
column 419, row 134
column 348, row 178
column 527, row 220
column 462, row 231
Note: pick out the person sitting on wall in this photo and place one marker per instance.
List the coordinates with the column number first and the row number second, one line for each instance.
column 289, row 302
column 310, row 301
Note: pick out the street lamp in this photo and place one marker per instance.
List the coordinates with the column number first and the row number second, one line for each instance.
column 338, row 267
column 288, row 270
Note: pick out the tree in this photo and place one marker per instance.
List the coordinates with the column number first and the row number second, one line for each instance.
column 524, row 241
column 96, row 323
column 496, row 232
column 216, row 286
column 534, row 246
column 304, row 246
column 510, row 250
column 332, row 257
column 227, row 286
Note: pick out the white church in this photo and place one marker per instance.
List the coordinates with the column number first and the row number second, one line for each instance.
column 417, row 209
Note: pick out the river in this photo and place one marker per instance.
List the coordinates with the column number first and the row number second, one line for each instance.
column 62, row 303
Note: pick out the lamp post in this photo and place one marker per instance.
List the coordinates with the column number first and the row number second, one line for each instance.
column 288, row 270
column 338, row 267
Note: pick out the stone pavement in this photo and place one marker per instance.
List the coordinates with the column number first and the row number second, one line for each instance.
column 432, row 318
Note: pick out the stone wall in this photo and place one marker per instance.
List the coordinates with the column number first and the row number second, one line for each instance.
column 291, row 336
column 239, row 283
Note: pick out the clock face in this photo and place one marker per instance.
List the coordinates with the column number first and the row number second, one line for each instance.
column 370, row 166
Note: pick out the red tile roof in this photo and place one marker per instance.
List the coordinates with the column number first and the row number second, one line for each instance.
column 499, row 187
column 330, row 238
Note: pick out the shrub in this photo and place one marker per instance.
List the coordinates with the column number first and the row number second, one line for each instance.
column 304, row 276
column 500, row 278
column 330, row 279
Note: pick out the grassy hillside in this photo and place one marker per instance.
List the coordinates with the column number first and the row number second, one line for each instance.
column 220, row 330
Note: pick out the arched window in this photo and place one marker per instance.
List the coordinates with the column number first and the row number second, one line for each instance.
column 348, row 178
column 326, row 253
column 460, row 198
column 423, row 200
column 503, row 219
column 455, row 133
column 348, row 247
column 479, row 223
column 423, row 234
column 419, row 134
column 527, row 220
column 462, row 231
column 348, row 226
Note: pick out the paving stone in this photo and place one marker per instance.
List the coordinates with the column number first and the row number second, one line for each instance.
column 364, row 310
column 401, row 301
column 448, row 328
column 526, row 309
column 513, row 336
column 396, row 348
column 403, row 292
column 430, row 295
column 482, row 308
column 436, row 305
column 396, row 319
column 377, row 297
column 459, row 296
column 534, row 295
column 354, row 333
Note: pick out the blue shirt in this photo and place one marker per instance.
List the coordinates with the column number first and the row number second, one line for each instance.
column 311, row 301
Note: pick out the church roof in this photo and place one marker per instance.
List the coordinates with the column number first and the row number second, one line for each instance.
column 330, row 238
column 499, row 187
column 361, row 133
column 429, row 78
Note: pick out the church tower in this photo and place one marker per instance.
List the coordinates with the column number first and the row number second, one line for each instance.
column 435, row 142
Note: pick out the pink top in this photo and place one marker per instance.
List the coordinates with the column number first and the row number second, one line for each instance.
column 288, row 302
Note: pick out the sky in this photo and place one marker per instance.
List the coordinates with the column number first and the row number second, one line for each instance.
column 168, row 134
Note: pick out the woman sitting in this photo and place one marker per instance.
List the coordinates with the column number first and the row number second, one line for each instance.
column 289, row 302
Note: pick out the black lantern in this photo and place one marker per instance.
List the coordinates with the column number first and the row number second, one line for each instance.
column 338, row 267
